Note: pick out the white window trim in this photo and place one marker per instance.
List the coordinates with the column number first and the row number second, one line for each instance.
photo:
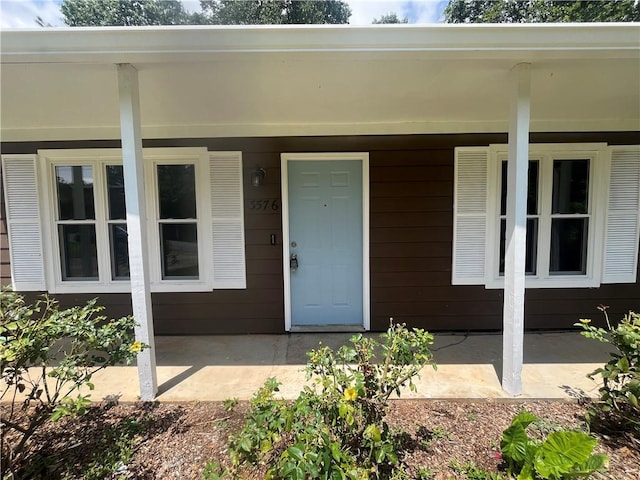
column 199, row 158
column 99, row 158
column 600, row 158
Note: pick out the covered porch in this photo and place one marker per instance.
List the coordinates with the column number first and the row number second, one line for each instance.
column 186, row 83
column 221, row 367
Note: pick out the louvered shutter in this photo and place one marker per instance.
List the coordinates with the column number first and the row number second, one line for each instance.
column 227, row 220
column 470, row 216
column 23, row 222
column 623, row 216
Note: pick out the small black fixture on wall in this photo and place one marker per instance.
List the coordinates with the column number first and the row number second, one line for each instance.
column 257, row 177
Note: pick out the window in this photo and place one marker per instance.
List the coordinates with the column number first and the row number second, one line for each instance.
column 178, row 221
column 560, row 211
column 76, row 222
column 67, row 220
column 86, row 213
column 533, row 216
column 90, row 219
column 568, row 218
column 583, row 215
column 117, row 224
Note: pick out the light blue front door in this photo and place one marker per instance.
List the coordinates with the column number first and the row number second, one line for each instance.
column 325, row 235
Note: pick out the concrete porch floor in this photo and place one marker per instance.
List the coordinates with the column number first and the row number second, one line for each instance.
column 202, row 368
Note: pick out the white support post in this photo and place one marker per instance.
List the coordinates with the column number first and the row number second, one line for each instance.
column 516, row 231
column 136, row 226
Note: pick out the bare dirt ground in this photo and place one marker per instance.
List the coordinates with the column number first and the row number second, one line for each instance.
column 174, row 441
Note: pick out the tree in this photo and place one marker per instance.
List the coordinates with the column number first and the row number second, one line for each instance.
column 123, row 12
column 390, row 18
column 214, row 12
column 538, row 11
column 273, row 12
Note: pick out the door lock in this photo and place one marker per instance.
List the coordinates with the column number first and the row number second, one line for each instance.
column 293, row 261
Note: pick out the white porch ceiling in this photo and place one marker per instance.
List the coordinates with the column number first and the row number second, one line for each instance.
column 308, row 81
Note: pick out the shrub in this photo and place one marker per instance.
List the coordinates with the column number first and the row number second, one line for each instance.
column 563, row 454
column 620, row 392
column 46, row 356
column 335, row 428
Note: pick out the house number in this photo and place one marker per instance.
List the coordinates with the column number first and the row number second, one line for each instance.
column 268, row 204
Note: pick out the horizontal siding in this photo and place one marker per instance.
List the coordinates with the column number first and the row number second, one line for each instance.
column 411, row 199
column 5, row 267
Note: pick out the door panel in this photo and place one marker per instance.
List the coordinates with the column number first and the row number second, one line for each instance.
column 325, row 233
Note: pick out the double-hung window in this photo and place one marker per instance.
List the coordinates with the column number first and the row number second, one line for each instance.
column 117, row 223
column 561, row 214
column 84, row 237
column 575, row 235
column 76, row 222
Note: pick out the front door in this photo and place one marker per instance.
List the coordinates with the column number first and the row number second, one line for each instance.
column 325, row 242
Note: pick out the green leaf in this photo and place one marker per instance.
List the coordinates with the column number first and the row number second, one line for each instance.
column 561, row 452
column 514, row 442
column 295, row 453
column 245, row 444
column 526, row 473
column 593, row 464
column 524, row 418
column 623, row 364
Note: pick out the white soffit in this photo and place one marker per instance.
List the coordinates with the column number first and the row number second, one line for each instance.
column 59, row 84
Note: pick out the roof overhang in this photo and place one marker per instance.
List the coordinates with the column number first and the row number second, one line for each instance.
column 318, row 80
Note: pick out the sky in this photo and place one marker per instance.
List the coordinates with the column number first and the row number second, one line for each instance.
column 22, row 13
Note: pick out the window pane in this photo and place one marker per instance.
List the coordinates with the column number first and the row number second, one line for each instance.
column 115, row 188
column 119, row 251
column 75, row 192
column 179, row 245
column 177, row 191
column 78, row 256
column 569, row 246
column 532, row 188
column 531, row 254
column 570, row 186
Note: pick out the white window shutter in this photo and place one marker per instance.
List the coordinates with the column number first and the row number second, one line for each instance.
column 470, row 216
column 623, row 216
column 19, row 173
column 227, row 220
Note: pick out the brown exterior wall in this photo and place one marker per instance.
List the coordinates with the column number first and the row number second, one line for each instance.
column 411, row 202
column 5, row 267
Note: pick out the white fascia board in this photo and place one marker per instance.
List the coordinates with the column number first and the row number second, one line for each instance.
column 197, row 43
column 312, row 129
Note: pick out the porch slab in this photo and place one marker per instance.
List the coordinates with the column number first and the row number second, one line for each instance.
column 207, row 368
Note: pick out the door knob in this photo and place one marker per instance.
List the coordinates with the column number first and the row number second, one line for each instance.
column 293, row 261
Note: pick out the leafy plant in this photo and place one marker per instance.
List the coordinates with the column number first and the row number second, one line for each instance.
column 620, row 391
column 427, row 437
column 46, row 356
column 472, row 472
column 424, row 473
column 213, row 471
column 229, row 404
column 563, row 454
column 335, row 428
column 117, row 446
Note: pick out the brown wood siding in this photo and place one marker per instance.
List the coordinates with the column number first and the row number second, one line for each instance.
column 5, row 266
column 411, row 200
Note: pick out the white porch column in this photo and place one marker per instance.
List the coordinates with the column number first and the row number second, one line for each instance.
column 514, row 272
column 136, row 226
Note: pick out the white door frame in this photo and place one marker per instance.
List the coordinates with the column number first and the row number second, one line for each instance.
column 364, row 158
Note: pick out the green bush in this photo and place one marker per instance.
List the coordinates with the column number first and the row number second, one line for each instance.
column 620, row 392
column 335, row 429
column 46, row 356
column 563, row 454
